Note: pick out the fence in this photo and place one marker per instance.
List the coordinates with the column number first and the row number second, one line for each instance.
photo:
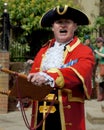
column 19, row 52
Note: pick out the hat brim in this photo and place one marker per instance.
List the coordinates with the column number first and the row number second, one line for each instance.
column 73, row 14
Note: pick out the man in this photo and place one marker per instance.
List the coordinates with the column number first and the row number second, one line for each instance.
column 65, row 64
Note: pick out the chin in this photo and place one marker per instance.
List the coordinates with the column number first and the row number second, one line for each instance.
column 63, row 40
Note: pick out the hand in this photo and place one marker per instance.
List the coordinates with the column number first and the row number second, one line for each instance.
column 36, row 79
column 30, row 62
column 95, row 51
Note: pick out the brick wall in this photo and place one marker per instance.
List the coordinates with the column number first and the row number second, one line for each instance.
column 4, row 81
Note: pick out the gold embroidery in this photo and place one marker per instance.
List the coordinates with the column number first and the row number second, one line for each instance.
column 69, row 49
column 75, row 99
column 44, row 109
column 60, row 79
column 82, row 79
column 63, row 12
column 61, row 108
column 50, row 97
column 71, row 98
column 73, row 46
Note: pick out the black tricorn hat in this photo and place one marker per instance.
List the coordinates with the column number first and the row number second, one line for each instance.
column 65, row 12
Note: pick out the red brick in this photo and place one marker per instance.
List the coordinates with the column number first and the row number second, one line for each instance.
column 4, row 82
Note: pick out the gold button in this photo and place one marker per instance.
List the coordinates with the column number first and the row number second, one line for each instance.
column 68, row 106
column 70, row 124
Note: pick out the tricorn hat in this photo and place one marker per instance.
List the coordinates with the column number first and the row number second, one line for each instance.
column 65, row 12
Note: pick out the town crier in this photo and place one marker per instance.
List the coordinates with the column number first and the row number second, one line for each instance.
column 65, row 64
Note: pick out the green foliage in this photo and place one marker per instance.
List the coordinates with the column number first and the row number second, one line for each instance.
column 24, row 18
column 26, row 14
column 89, row 30
column 1, row 7
column 99, row 25
column 99, row 21
column 84, row 30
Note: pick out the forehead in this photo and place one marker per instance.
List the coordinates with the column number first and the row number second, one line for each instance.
column 67, row 21
column 63, row 20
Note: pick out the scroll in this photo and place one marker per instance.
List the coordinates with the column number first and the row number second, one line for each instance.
column 22, row 88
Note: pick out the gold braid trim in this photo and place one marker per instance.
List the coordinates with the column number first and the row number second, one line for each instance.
column 61, row 109
column 69, row 49
column 75, row 99
column 60, row 80
column 82, row 79
column 70, row 96
column 36, row 112
column 63, row 12
column 73, row 46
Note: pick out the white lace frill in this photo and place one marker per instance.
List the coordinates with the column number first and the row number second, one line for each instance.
column 53, row 57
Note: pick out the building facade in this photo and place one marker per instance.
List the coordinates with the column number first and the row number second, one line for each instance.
column 91, row 8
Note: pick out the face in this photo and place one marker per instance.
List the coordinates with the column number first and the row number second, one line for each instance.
column 99, row 44
column 87, row 42
column 64, row 30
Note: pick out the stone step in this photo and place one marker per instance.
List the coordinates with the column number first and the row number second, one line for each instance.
column 94, row 112
column 102, row 107
column 95, row 117
column 90, row 126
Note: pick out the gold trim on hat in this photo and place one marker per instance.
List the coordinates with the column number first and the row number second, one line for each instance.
column 63, row 12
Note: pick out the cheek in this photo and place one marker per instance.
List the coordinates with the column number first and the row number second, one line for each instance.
column 74, row 29
column 54, row 28
column 99, row 46
column 71, row 30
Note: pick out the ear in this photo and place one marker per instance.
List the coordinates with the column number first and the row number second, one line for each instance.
column 52, row 28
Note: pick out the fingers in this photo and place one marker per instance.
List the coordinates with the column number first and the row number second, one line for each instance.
column 36, row 79
column 30, row 61
column 29, row 77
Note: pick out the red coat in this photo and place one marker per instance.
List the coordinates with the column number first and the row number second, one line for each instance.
column 74, row 82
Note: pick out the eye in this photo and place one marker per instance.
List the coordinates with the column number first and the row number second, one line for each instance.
column 58, row 22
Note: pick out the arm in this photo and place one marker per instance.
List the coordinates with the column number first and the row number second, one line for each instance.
column 100, row 54
column 71, row 76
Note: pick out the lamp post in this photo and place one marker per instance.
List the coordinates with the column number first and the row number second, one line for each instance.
column 6, row 29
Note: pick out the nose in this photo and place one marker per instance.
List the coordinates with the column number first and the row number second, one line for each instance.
column 63, row 23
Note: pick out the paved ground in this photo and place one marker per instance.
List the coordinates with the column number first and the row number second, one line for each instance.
column 14, row 120
column 94, row 115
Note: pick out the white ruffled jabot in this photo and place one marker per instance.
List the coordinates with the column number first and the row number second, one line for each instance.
column 54, row 57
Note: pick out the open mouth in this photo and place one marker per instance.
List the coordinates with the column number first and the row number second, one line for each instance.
column 63, row 31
